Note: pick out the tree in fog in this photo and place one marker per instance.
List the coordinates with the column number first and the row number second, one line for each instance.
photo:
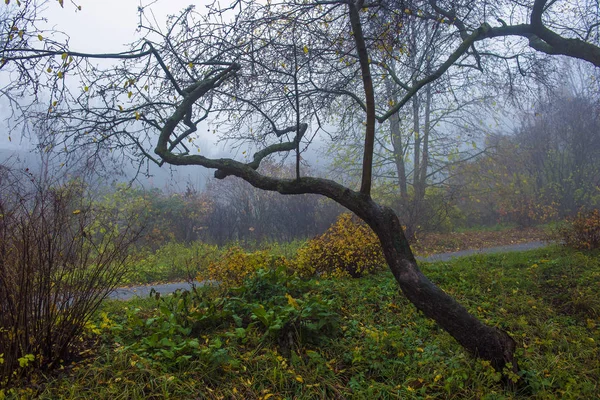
column 417, row 146
column 243, row 212
column 274, row 74
column 547, row 167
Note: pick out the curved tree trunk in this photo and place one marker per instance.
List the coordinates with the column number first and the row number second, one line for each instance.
column 486, row 342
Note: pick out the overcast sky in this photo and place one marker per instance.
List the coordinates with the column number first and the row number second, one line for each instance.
column 107, row 26
column 99, row 27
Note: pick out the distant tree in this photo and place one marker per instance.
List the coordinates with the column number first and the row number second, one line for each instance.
column 544, row 170
column 245, row 213
column 561, row 138
column 272, row 73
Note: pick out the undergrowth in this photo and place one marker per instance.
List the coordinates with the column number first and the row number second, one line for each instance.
column 277, row 336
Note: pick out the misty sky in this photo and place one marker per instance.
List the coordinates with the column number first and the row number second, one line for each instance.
column 100, row 27
column 107, row 27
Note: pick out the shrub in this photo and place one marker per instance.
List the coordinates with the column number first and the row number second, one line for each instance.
column 583, row 232
column 236, row 265
column 60, row 256
column 348, row 248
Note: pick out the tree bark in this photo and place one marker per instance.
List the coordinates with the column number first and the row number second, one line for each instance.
column 486, row 342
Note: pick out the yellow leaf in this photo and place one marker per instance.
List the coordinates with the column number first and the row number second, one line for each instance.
column 120, row 107
column 54, row 103
column 299, row 379
column 21, row 32
column 137, row 116
column 49, row 69
column 283, row 65
column 291, row 301
column 305, row 48
column 77, row 212
column 61, row 2
column 191, row 65
column 129, row 94
column 6, row 1
column 40, row 38
column 60, row 74
column 64, row 56
column 85, row 88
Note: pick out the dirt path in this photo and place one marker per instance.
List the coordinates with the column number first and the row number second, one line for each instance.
column 166, row 288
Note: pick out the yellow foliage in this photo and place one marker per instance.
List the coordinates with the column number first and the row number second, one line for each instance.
column 236, row 265
column 348, row 248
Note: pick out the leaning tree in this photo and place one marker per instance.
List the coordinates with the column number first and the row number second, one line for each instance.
column 275, row 75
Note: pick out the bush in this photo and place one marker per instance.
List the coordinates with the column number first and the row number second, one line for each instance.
column 60, row 256
column 236, row 265
column 348, row 248
column 583, row 232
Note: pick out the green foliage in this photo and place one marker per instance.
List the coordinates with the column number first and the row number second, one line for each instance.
column 348, row 248
column 167, row 338
column 171, row 262
column 289, row 320
column 277, row 336
column 583, row 232
column 169, row 217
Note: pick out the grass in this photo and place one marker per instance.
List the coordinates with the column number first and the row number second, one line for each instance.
column 175, row 262
column 178, row 262
column 281, row 337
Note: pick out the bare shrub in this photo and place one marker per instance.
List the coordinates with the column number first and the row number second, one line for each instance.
column 61, row 254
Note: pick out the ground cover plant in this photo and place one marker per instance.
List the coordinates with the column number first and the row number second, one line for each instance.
column 278, row 336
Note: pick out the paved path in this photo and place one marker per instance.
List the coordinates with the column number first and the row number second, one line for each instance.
column 487, row 250
column 166, row 288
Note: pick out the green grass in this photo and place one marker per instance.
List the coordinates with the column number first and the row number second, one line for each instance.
column 281, row 337
column 170, row 263
column 178, row 262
